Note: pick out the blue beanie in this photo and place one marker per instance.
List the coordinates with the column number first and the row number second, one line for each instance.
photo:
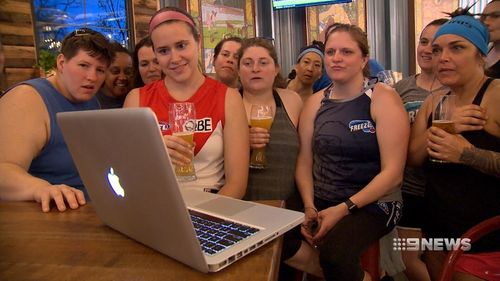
column 469, row 28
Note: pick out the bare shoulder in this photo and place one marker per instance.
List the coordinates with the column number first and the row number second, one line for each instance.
column 383, row 94
column 132, row 99
column 232, row 96
column 23, row 98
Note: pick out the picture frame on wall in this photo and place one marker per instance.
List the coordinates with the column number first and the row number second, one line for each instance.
column 318, row 18
column 217, row 21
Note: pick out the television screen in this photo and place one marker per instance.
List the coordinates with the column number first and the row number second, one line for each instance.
column 286, row 4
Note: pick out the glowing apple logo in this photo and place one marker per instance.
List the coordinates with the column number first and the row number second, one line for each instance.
column 114, row 181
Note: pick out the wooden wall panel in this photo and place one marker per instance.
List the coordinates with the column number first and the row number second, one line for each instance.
column 17, row 35
column 142, row 11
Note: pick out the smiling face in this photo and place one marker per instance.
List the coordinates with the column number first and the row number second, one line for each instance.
column 119, row 76
column 457, row 60
column 343, row 57
column 424, row 48
column 491, row 18
column 226, row 63
column 309, row 68
column 176, row 51
column 257, row 69
column 81, row 76
column 149, row 69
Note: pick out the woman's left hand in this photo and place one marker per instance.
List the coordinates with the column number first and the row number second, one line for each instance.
column 328, row 218
column 445, row 146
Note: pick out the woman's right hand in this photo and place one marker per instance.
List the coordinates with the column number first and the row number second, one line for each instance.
column 259, row 137
column 179, row 150
column 61, row 194
column 310, row 224
column 469, row 117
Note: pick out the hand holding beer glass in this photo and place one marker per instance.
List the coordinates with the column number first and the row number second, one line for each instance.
column 443, row 107
column 182, row 118
column 261, row 116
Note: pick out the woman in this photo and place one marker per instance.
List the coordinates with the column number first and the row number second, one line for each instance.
column 258, row 70
column 221, row 151
column 307, row 70
column 35, row 163
column 353, row 144
column 491, row 18
column 146, row 65
column 465, row 191
column 119, row 78
column 413, row 91
column 225, row 60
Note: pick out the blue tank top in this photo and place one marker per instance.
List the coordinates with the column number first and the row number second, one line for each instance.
column 54, row 163
column 345, row 147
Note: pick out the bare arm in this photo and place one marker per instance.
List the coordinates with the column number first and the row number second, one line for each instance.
column 304, row 166
column 24, row 131
column 392, row 135
column 485, row 161
column 417, row 149
column 236, row 143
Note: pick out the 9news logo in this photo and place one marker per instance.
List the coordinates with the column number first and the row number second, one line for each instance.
column 431, row 244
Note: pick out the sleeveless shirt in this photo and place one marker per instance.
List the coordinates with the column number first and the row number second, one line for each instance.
column 458, row 196
column 345, row 148
column 54, row 163
column 277, row 181
column 209, row 102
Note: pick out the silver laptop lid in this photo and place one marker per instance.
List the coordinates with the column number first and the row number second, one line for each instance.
column 89, row 139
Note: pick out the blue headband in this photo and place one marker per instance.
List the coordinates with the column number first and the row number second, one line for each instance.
column 469, row 28
column 308, row 50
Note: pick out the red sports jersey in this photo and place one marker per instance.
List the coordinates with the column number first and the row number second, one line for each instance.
column 209, row 101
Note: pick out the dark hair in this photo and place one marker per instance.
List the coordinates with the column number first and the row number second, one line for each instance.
column 145, row 42
column 357, row 34
column 437, row 22
column 279, row 82
column 90, row 41
column 219, row 45
column 116, row 47
column 194, row 30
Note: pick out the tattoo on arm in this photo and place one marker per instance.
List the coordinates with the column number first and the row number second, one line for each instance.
column 485, row 161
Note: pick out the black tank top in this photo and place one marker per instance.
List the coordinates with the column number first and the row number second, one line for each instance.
column 458, row 197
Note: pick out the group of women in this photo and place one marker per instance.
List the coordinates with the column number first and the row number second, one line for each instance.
column 342, row 150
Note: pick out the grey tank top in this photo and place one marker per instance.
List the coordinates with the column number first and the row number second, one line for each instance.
column 277, row 181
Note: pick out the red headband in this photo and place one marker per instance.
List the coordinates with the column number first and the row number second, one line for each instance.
column 166, row 16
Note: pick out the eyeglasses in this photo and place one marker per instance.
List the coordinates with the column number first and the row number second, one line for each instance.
column 83, row 32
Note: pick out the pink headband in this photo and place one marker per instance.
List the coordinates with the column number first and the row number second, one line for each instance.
column 166, row 16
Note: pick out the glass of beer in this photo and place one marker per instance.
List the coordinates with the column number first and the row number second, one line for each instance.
column 443, row 107
column 261, row 116
column 182, row 119
column 387, row 77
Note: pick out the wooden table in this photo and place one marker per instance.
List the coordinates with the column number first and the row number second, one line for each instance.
column 76, row 245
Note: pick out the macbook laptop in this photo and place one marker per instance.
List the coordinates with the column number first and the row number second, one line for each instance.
column 124, row 165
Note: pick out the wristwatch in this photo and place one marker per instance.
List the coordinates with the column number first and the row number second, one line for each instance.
column 351, row 207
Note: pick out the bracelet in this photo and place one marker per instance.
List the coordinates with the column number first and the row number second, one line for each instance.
column 316, row 210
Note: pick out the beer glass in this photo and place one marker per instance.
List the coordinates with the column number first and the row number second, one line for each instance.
column 261, row 116
column 182, row 119
column 387, row 77
column 443, row 107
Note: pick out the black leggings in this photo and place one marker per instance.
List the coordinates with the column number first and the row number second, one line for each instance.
column 341, row 249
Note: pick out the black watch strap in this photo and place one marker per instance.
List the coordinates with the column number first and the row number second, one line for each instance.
column 351, row 207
